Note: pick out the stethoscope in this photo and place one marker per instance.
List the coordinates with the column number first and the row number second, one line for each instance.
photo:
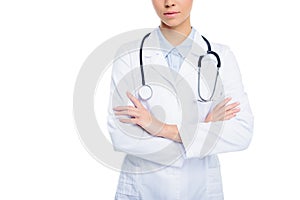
column 145, row 91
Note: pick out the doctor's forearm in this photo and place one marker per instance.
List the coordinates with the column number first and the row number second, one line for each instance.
column 170, row 132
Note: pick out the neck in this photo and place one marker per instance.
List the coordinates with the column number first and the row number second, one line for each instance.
column 176, row 34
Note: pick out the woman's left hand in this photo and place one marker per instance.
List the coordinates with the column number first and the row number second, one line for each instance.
column 223, row 111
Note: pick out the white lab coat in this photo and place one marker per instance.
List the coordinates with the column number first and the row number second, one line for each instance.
column 195, row 174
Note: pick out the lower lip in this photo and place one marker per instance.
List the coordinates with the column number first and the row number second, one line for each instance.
column 171, row 15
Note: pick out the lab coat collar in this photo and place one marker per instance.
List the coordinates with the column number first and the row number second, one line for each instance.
column 183, row 48
column 152, row 53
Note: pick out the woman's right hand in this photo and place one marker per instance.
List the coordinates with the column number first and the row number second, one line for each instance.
column 222, row 111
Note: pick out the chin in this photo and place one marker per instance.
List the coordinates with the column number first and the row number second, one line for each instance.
column 171, row 24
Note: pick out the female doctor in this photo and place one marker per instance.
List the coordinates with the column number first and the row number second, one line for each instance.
column 166, row 158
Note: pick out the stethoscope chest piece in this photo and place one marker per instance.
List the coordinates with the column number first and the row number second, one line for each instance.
column 145, row 92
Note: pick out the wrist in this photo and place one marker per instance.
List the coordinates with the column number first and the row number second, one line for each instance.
column 208, row 118
column 170, row 132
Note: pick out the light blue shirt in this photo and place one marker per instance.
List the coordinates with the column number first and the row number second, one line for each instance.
column 175, row 55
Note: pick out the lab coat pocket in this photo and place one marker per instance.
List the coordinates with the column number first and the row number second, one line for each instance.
column 127, row 187
column 214, row 184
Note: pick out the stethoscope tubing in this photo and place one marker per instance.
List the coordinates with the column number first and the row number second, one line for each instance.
column 209, row 51
column 141, row 58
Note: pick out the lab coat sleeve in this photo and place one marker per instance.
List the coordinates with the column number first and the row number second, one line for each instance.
column 225, row 136
column 132, row 139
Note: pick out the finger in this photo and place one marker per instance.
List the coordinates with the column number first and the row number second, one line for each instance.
column 120, row 108
column 232, row 114
column 131, row 113
column 128, row 121
column 221, row 115
column 229, row 117
column 233, row 111
column 134, row 100
column 126, row 110
column 223, row 103
column 232, row 106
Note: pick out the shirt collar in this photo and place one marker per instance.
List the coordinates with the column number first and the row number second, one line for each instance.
column 183, row 48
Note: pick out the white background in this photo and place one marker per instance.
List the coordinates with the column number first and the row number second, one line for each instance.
column 43, row 45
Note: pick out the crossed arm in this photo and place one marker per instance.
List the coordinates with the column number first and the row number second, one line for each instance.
column 139, row 115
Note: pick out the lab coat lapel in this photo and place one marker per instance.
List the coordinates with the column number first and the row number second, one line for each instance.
column 188, row 72
column 154, row 60
column 190, row 63
column 152, row 55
